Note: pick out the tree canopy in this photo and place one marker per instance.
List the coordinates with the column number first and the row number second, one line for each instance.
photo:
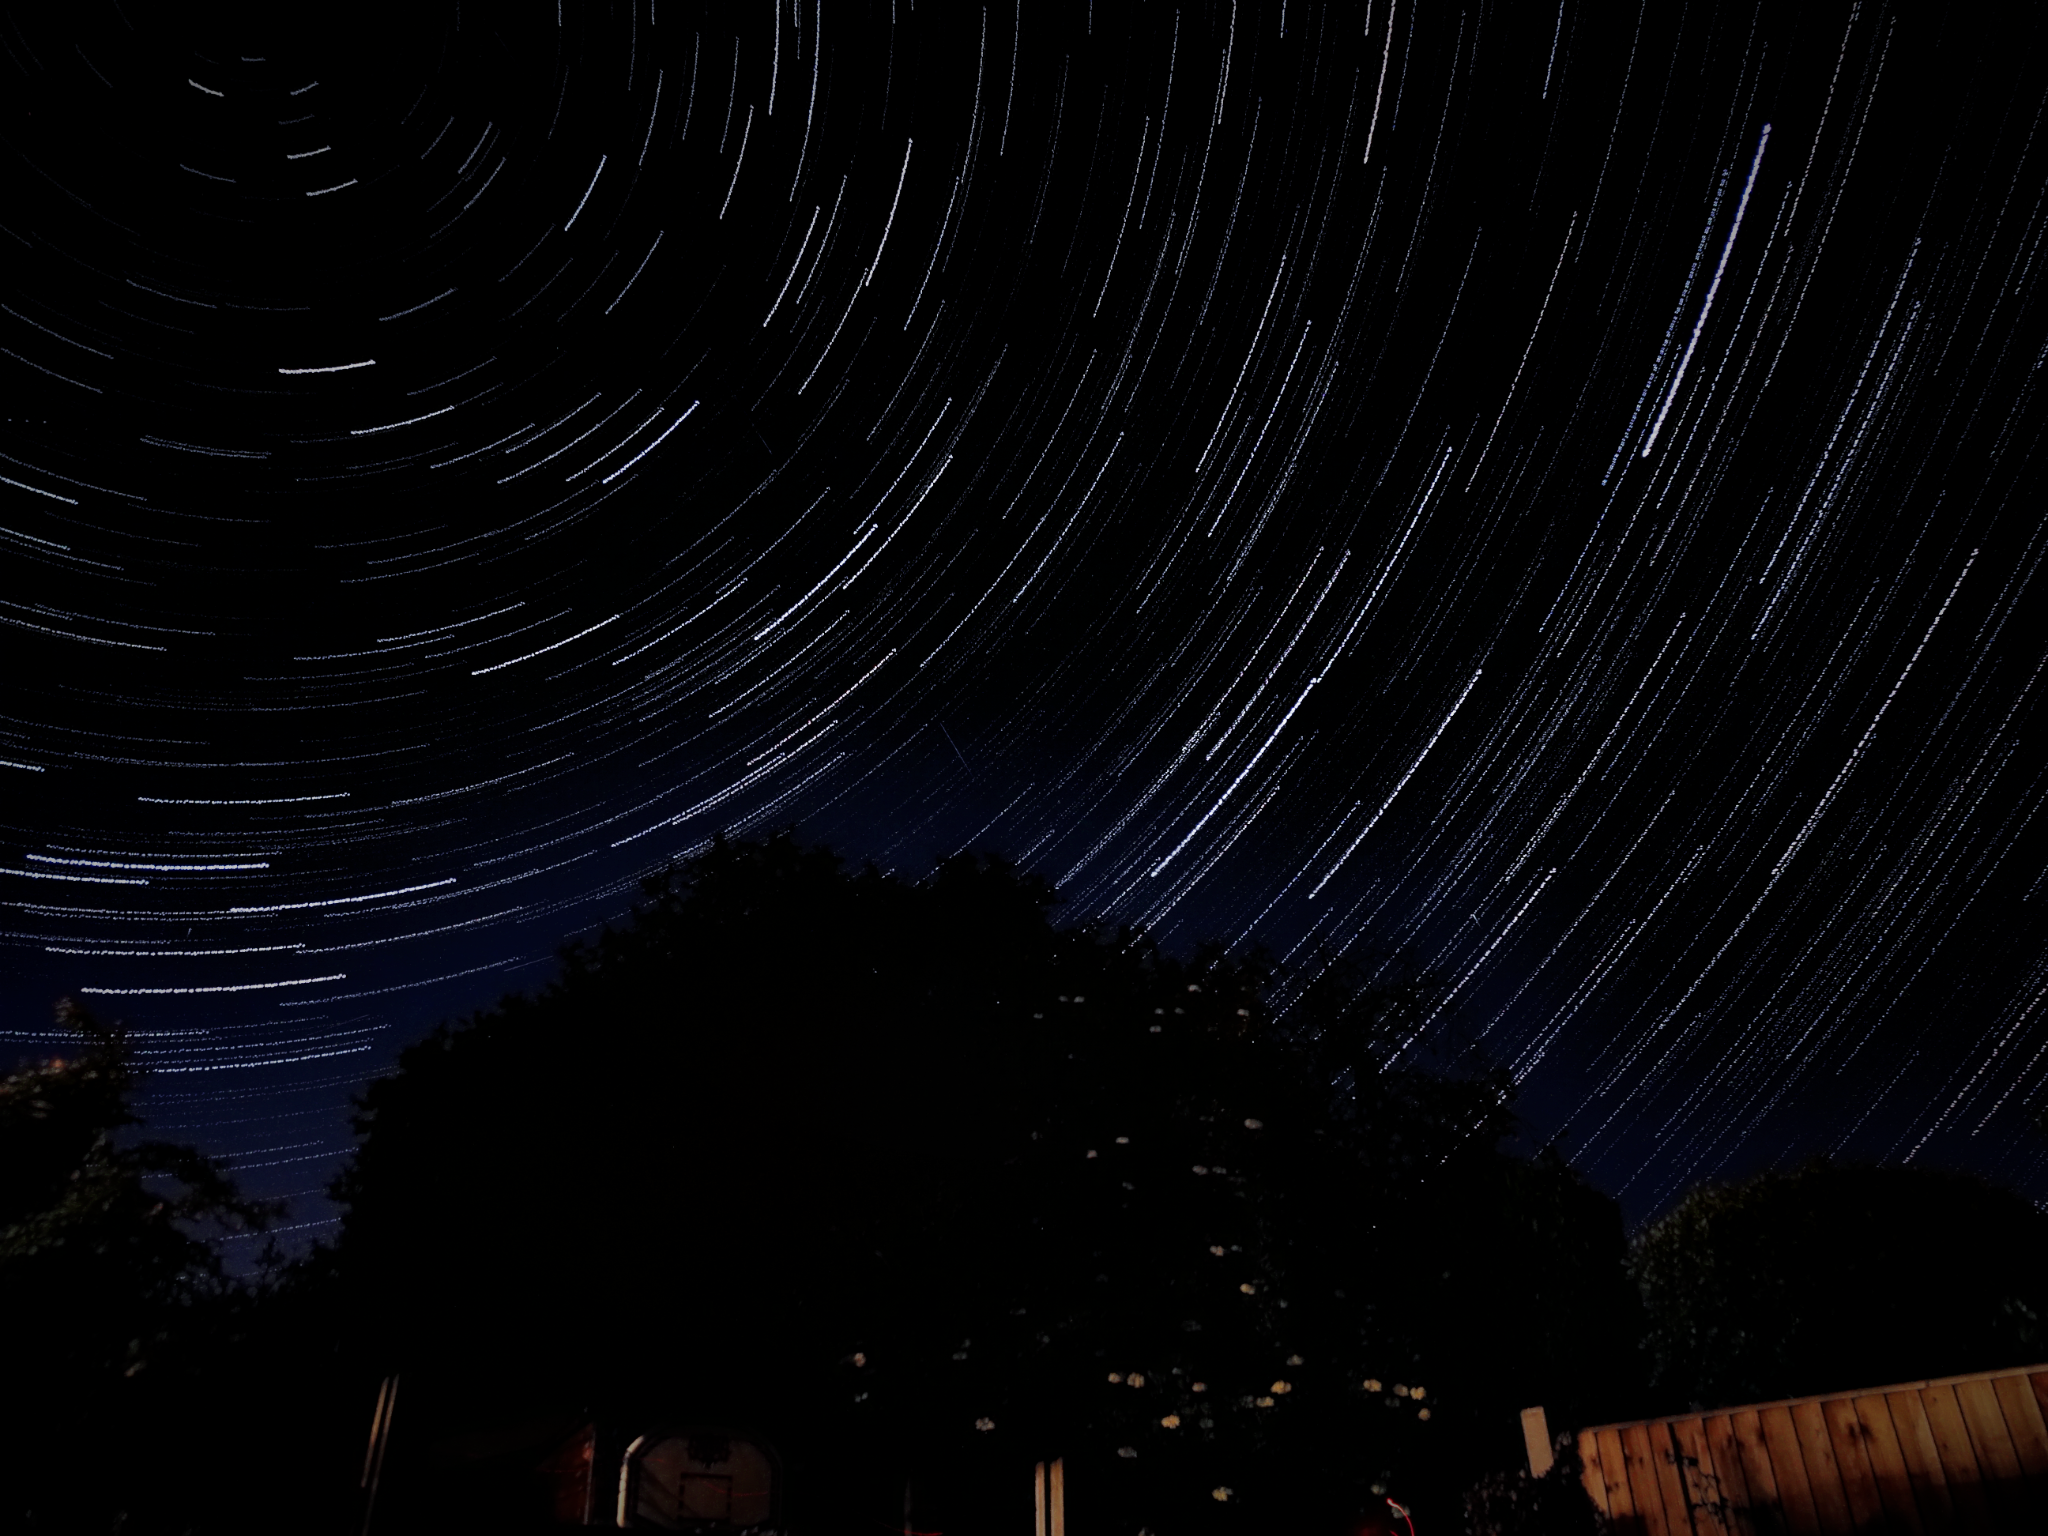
column 109, row 1280
column 954, row 1188
column 1835, row 1276
column 924, row 1186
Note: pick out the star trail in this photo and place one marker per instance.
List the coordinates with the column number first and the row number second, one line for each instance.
column 1549, row 500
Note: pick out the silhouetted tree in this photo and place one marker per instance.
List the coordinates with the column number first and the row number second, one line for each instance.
column 112, row 1291
column 1837, row 1276
column 940, row 1188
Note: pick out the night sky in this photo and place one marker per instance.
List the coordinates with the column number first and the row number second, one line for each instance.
column 1546, row 496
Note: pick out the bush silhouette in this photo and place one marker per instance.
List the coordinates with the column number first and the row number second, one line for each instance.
column 1837, row 1276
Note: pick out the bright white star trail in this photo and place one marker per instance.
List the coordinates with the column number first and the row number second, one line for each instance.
column 1549, row 501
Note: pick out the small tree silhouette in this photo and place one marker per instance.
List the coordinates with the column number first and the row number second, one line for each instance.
column 107, row 1275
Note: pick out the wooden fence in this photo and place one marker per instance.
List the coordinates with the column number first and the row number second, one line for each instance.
column 1961, row 1454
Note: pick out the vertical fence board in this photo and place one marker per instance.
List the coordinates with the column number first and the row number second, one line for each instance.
column 1992, row 1441
column 1852, row 1461
column 1671, row 1480
column 1795, row 1492
column 2023, row 1418
column 1958, row 1461
column 1748, row 1432
column 1923, row 1461
column 2005, row 1489
column 1888, row 1466
column 1640, row 1457
column 1709, row 1502
column 1823, row 1475
column 1719, row 1433
column 1621, row 1502
column 1589, row 1471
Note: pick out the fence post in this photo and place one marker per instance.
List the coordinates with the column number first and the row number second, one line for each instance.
column 1536, row 1437
column 1049, row 1497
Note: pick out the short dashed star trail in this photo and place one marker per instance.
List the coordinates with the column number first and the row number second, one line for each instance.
column 1549, row 499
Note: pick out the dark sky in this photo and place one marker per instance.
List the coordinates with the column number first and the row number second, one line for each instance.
column 1547, row 496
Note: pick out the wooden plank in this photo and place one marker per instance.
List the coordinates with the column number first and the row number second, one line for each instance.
column 1704, row 1496
column 2024, row 1419
column 1640, row 1458
column 1621, row 1501
column 1743, row 1519
column 1853, row 1462
column 1998, row 1458
column 1923, row 1462
column 1888, row 1467
column 1958, row 1461
column 1823, row 1475
column 1795, row 1493
column 2039, row 1381
column 1536, row 1441
column 2005, row 1489
column 1885, row 1391
column 1766, row 1506
column 1671, row 1478
column 1589, row 1470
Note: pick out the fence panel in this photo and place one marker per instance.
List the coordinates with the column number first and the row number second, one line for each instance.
column 1953, row 1457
